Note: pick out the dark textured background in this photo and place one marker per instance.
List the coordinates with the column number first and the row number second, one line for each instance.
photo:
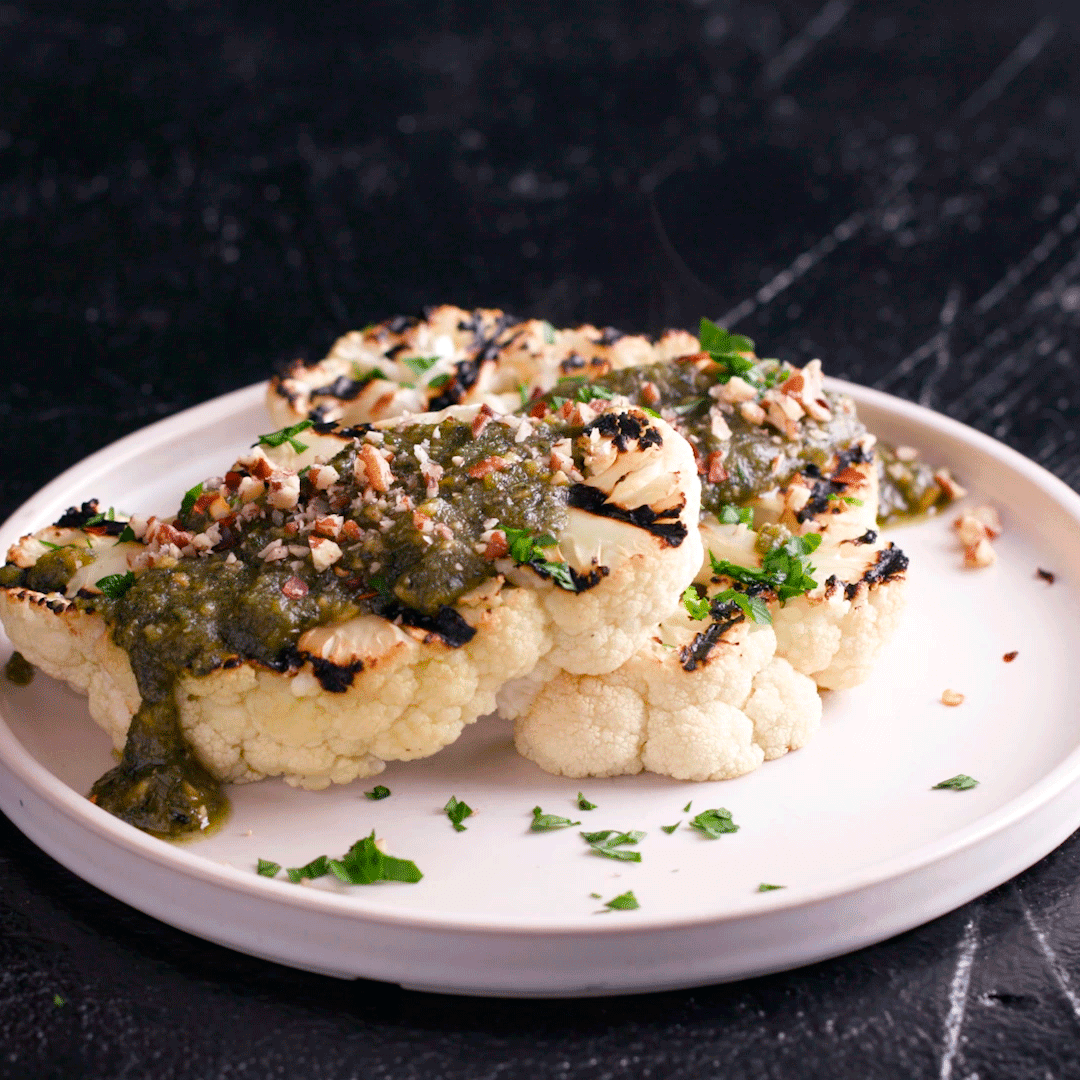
column 191, row 192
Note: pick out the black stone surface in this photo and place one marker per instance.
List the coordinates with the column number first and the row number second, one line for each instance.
column 193, row 192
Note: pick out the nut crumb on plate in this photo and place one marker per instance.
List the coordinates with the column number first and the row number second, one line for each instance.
column 952, row 697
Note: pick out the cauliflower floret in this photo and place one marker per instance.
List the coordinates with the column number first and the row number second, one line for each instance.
column 836, row 631
column 414, row 694
column 704, row 701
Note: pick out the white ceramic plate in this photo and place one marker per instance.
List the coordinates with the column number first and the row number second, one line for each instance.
column 848, row 825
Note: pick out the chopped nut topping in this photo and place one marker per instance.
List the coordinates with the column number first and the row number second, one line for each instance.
column 649, row 393
column 982, row 554
column 481, row 420
column 370, row 468
column 324, row 552
column 952, row 697
column 715, row 472
column 952, row 489
column 736, row 390
column 497, row 547
column 487, row 465
column 294, row 588
column 906, row 453
column 752, row 412
column 1009, row 657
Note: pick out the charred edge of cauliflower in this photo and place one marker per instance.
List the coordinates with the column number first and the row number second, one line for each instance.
column 735, row 706
column 631, row 531
column 835, row 632
column 479, row 356
column 358, row 694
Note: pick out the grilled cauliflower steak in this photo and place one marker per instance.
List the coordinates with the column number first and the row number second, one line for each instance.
column 453, row 357
column 701, row 701
column 340, row 598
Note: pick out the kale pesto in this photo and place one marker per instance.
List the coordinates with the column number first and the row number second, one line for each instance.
column 906, row 488
column 755, row 457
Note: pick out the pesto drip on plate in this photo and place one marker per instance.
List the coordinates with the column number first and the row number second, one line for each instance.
column 393, row 525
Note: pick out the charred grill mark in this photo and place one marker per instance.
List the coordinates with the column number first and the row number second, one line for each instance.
column 447, row 623
column 609, row 335
column 621, row 428
column 486, row 347
column 400, row 323
column 891, row 562
column 76, row 517
column 393, row 351
column 573, row 362
column 853, row 455
column 868, row 537
column 697, row 652
column 582, row 582
column 334, row 678
column 593, row 501
column 345, row 388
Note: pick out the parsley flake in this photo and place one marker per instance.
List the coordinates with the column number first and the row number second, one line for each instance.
column 960, row 782
column 53, row 547
column 542, row 822
column 651, row 412
column 626, row 901
column 669, row 829
column 190, row 498
column 785, row 568
column 590, row 392
column 317, row 868
column 583, row 803
column 697, row 607
column 595, row 895
column 766, row 887
column 714, row 823
column 365, row 864
column 439, row 381
column 523, row 393
column 266, row 868
column 115, row 585
column 611, row 844
column 730, row 514
column 726, row 350
column 127, row 536
column 362, row 864
column 686, row 808
column 457, row 812
column 377, row 792
column 527, row 549
column 57, row 1000
column 287, row 435
column 418, row 365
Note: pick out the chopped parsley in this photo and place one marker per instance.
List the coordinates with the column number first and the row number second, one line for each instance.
column 523, row 393
column 686, row 808
column 285, row 435
column 960, row 782
column 730, row 514
column 849, row 499
column 766, row 887
column 714, row 823
column 115, row 585
column 439, row 381
column 590, row 392
column 191, row 497
column 611, row 844
column 359, row 375
column 697, row 607
column 626, row 901
column 669, row 829
column 595, row 895
column 365, row 864
column 786, row 568
column 542, row 822
column 57, row 1000
column 651, row 412
column 127, row 536
column 97, row 519
column 362, row 864
column 377, row 792
column 457, row 812
column 700, row 607
column 418, row 365
column 317, row 868
column 266, row 868
column 525, row 548
column 53, row 547
column 583, row 803
column 726, row 349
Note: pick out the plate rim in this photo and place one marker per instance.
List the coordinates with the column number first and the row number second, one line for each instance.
column 18, row 760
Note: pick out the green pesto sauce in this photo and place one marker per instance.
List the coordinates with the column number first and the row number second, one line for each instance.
column 750, row 455
column 19, row 670
column 206, row 611
column 905, row 488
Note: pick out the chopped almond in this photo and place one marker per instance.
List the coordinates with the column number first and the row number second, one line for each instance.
column 982, row 554
column 715, row 472
column 952, row 489
column 952, row 697
column 371, row 467
column 487, row 465
column 481, row 420
column 497, row 547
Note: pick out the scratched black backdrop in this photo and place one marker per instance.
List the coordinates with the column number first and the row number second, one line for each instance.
column 193, row 192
